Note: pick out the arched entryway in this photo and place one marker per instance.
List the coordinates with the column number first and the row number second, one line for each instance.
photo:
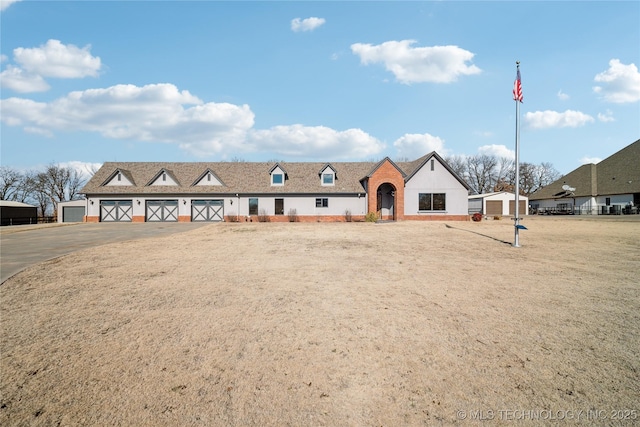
column 386, row 202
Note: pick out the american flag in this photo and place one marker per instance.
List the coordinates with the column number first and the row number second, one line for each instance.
column 517, row 88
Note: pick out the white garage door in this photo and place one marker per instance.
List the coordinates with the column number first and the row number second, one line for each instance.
column 162, row 210
column 116, row 210
column 207, row 210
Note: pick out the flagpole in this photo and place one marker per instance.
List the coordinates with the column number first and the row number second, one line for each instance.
column 518, row 99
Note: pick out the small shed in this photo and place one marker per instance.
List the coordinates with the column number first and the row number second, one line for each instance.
column 17, row 213
column 500, row 203
column 73, row 211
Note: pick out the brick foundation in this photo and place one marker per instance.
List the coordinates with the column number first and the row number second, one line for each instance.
column 184, row 218
column 138, row 218
column 437, row 217
column 91, row 218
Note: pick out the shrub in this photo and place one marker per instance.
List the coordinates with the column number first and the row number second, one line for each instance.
column 347, row 216
column 262, row 216
column 293, row 215
column 371, row 217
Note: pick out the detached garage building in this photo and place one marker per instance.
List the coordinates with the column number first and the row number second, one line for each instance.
column 500, row 203
column 17, row 213
column 73, row 211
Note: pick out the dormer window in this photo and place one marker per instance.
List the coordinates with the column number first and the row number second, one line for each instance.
column 278, row 175
column 328, row 175
column 119, row 176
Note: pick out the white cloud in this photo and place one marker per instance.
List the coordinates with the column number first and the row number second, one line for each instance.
column 587, row 160
column 3, row 57
column 54, row 59
column 85, row 169
column 553, row 119
column 162, row 113
column 434, row 64
column 562, row 96
column 606, row 117
column 412, row 145
column 150, row 113
column 317, row 141
column 308, row 24
column 6, row 3
column 497, row 151
column 21, row 81
column 621, row 83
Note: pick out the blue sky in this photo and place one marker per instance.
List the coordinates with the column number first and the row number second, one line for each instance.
column 84, row 82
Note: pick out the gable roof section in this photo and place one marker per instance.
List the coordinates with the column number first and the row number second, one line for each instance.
column 416, row 165
column 205, row 173
column 324, row 168
column 161, row 172
column 379, row 164
column 125, row 173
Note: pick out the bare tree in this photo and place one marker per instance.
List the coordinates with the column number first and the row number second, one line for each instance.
column 458, row 164
column 481, row 170
column 58, row 184
column 9, row 183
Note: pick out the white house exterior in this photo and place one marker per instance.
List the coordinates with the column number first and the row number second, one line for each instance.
column 425, row 189
column 609, row 187
column 73, row 211
column 500, row 203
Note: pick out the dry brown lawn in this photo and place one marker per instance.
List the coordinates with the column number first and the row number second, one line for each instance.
column 344, row 324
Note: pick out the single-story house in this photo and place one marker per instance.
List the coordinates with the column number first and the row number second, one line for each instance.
column 611, row 186
column 72, row 211
column 17, row 213
column 423, row 189
column 501, row 203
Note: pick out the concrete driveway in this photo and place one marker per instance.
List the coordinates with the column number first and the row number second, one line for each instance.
column 23, row 246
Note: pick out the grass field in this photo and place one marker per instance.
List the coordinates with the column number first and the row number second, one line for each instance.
column 331, row 324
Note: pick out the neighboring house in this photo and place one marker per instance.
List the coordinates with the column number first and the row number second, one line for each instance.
column 17, row 213
column 500, row 203
column 73, row 211
column 424, row 189
column 610, row 187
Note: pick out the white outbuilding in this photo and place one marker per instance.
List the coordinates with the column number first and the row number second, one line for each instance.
column 501, row 203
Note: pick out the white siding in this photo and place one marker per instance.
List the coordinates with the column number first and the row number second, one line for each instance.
column 439, row 180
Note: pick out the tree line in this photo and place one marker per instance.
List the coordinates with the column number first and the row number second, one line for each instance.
column 44, row 189
column 486, row 174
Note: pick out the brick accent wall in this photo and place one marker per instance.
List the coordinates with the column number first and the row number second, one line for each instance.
column 91, row 218
column 437, row 217
column 184, row 218
column 387, row 173
column 301, row 218
column 137, row 218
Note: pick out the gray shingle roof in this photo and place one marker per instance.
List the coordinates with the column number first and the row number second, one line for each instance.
column 617, row 174
column 242, row 177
